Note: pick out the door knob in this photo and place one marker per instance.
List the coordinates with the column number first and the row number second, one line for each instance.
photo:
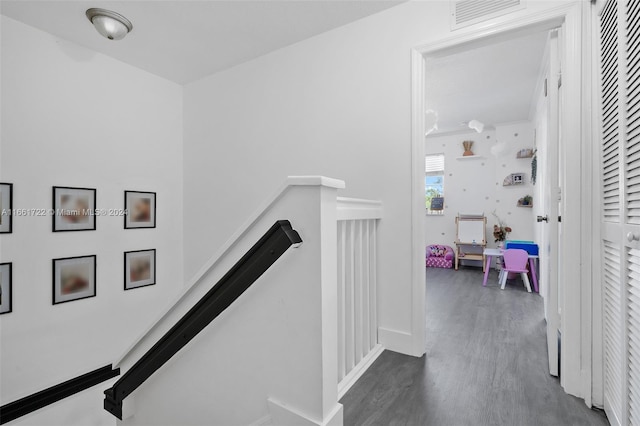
column 543, row 219
column 631, row 236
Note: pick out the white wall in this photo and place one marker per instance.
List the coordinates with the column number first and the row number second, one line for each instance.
column 336, row 105
column 476, row 185
column 277, row 342
column 72, row 117
column 517, row 136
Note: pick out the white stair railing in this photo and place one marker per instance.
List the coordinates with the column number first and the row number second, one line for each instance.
column 357, row 293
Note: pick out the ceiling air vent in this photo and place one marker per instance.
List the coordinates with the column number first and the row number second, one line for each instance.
column 469, row 12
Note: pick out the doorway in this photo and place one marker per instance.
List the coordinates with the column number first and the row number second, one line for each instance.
column 500, row 90
column 576, row 321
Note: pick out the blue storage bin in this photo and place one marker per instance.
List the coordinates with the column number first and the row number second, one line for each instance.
column 529, row 246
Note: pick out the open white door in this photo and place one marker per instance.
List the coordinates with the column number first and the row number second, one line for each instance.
column 548, row 151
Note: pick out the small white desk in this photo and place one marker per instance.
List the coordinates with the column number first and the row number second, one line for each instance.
column 490, row 252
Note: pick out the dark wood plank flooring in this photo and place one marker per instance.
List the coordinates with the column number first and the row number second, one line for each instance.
column 486, row 364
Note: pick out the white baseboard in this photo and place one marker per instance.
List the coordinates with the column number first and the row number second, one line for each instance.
column 282, row 415
column 396, row 341
column 353, row 376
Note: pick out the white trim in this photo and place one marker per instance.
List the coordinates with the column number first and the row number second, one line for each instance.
column 496, row 31
column 283, row 415
column 575, row 320
column 464, row 131
column 597, row 369
column 357, row 372
column 358, row 208
column 394, row 340
column 472, row 157
column 231, row 242
column 418, row 241
column 314, row 181
column 542, row 76
column 589, row 261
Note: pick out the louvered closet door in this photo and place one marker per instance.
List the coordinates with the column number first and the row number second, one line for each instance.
column 612, row 246
column 620, row 155
column 632, row 187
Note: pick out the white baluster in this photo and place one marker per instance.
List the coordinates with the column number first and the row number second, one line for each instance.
column 342, row 277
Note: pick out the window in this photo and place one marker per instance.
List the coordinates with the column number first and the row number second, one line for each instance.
column 434, row 184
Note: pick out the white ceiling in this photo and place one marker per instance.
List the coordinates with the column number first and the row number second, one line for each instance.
column 184, row 41
column 493, row 84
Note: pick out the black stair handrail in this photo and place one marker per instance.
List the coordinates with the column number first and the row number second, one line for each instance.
column 240, row 277
column 38, row 400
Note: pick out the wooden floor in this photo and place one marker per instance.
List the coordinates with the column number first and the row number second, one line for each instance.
column 486, row 364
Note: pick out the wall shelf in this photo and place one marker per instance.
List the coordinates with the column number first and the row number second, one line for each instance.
column 525, row 153
column 471, row 157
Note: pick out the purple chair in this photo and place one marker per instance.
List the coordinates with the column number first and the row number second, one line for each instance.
column 515, row 260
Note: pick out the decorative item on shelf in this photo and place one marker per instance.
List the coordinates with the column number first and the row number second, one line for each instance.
column 525, row 153
column 513, row 179
column 467, row 148
column 534, row 168
column 500, row 230
column 526, row 201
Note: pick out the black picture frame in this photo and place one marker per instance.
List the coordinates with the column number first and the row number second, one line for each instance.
column 73, row 278
column 6, row 288
column 73, row 209
column 518, row 178
column 6, row 208
column 139, row 268
column 140, row 209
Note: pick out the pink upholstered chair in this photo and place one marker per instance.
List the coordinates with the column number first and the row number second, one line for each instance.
column 515, row 260
column 439, row 256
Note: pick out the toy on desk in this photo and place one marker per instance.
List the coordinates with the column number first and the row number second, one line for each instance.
column 470, row 237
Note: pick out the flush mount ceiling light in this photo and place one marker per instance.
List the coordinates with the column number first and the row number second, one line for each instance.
column 110, row 24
